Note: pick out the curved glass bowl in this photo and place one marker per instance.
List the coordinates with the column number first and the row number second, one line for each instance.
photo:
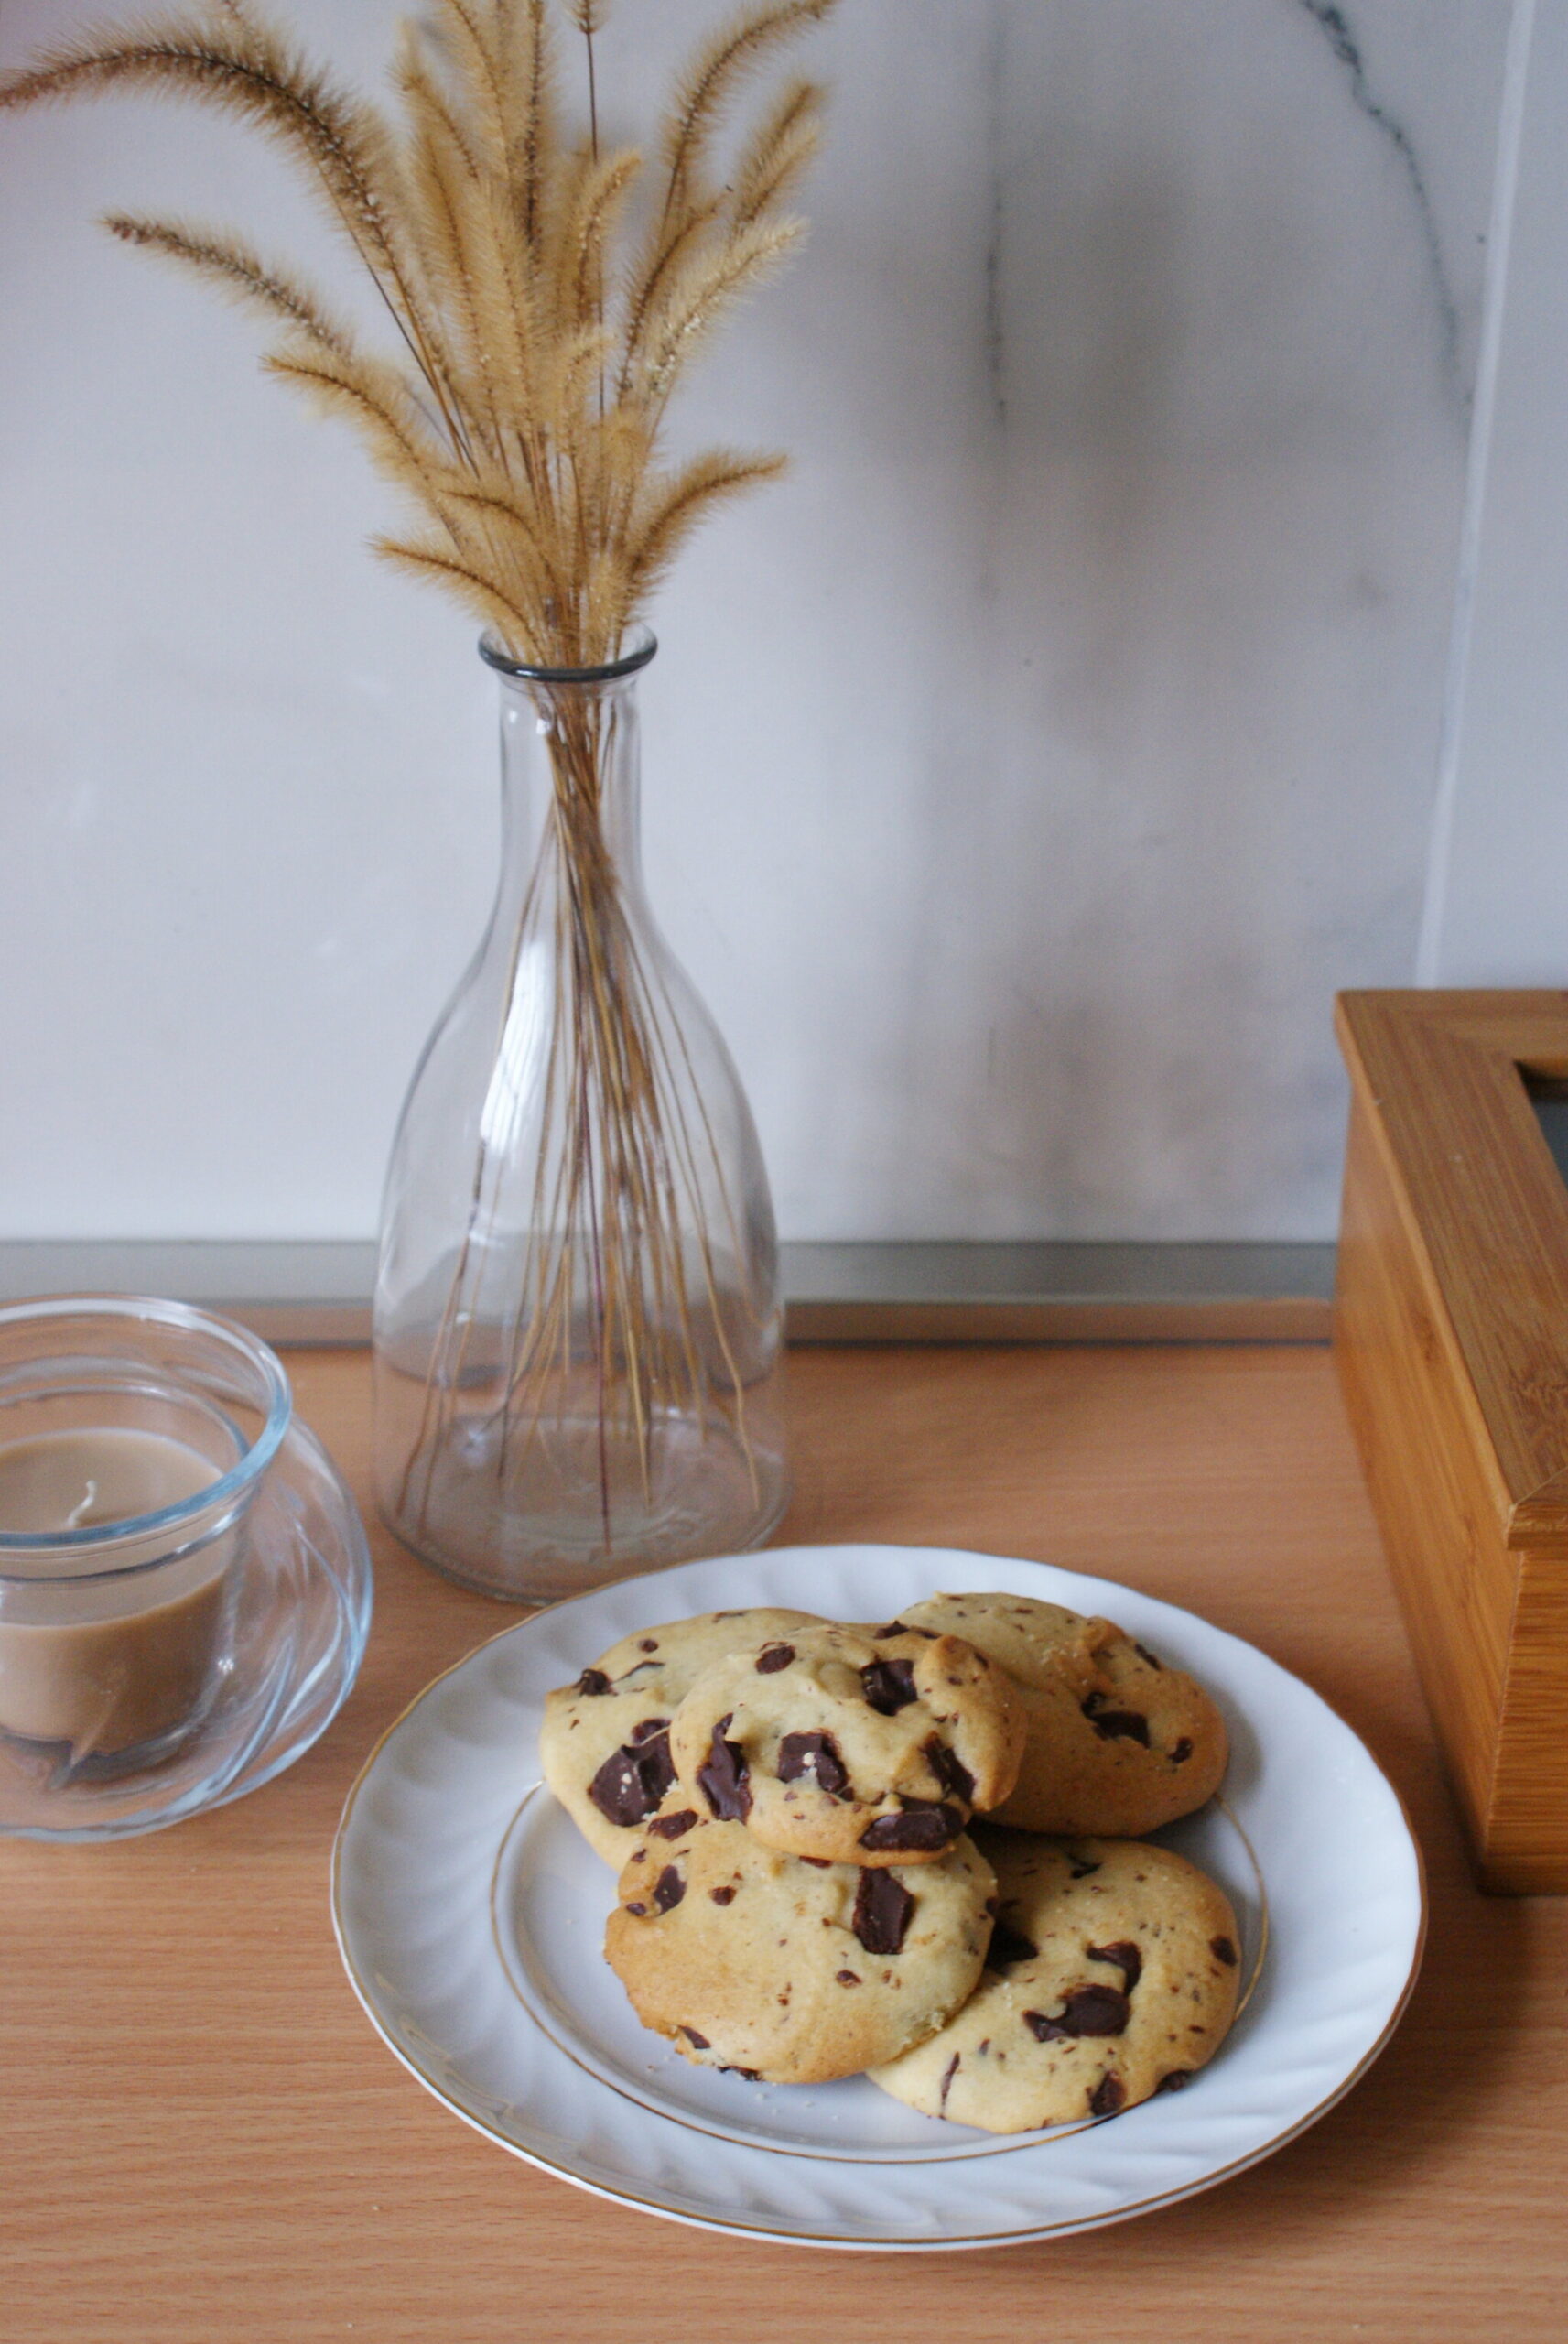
column 299, row 1635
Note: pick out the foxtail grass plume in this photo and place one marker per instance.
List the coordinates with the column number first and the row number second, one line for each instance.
column 547, row 294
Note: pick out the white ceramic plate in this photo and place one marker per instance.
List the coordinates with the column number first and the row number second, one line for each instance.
column 470, row 1915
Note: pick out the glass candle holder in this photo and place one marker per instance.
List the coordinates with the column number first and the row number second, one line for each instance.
column 134, row 1436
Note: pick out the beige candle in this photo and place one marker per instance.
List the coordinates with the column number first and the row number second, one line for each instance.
column 112, row 1646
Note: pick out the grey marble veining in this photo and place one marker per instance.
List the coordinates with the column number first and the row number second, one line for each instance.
column 1340, row 33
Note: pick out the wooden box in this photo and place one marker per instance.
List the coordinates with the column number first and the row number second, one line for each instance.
column 1451, row 1329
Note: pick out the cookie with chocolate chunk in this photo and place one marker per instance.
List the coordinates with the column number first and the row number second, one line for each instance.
column 850, row 1745
column 789, row 1971
column 1117, row 1743
column 604, row 1744
column 1112, row 1975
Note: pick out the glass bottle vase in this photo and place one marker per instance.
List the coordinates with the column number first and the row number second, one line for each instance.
column 577, row 1325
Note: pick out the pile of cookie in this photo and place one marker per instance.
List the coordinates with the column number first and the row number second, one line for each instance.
column 785, row 1800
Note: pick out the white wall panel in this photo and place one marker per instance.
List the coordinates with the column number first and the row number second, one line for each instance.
column 1023, row 775
column 1500, row 901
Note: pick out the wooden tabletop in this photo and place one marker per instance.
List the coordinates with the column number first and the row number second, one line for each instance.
column 203, row 2141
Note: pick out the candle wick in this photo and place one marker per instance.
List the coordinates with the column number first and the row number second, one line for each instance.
column 84, row 1507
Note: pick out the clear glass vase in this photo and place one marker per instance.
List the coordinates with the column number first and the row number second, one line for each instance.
column 578, row 1326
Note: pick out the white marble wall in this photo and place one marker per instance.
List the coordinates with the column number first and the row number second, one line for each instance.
column 1496, row 907
column 1023, row 776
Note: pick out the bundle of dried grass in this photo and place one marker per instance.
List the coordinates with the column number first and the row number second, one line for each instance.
column 542, row 332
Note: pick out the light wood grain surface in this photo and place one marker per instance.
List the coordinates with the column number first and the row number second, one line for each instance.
column 201, row 2138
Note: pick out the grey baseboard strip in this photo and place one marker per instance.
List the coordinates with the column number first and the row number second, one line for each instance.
column 319, row 1293
column 314, row 1293
column 1059, row 1293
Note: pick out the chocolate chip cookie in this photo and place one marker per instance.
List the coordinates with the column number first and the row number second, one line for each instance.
column 1112, row 1975
column 1117, row 1743
column 850, row 1745
column 604, row 1744
column 791, row 1971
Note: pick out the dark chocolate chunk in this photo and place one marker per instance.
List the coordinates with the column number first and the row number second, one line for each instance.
column 1127, row 1725
column 817, row 1863
column 1109, row 2096
column 631, row 1783
column 892, row 1628
column 672, row 1827
column 1178, row 2080
column 1088, row 2009
column 951, row 1770
column 593, row 1680
column 647, row 1643
column 1223, row 1950
column 1181, row 1752
column 948, row 2072
column 923, row 1826
column 697, row 2042
column 1144, row 1654
column 722, row 1777
column 846, row 1978
column 1009, row 1945
column 816, row 1755
column 1127, row 1958
column 638, row 1909
column 668, row 1889
column 722, row 1895
column 883, row 1907
column 646, row 1729
column 889, row 1685
column 775, row 1657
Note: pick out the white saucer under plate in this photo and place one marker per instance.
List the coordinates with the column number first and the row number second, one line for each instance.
column 299, row 1637
column 469, row 1915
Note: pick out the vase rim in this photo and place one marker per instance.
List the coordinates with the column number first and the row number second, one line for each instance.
column 641, row 645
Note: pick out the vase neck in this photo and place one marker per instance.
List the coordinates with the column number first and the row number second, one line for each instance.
column 570, row 779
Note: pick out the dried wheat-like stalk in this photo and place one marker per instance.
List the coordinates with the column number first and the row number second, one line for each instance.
column 540, row 342
column 540, row 335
